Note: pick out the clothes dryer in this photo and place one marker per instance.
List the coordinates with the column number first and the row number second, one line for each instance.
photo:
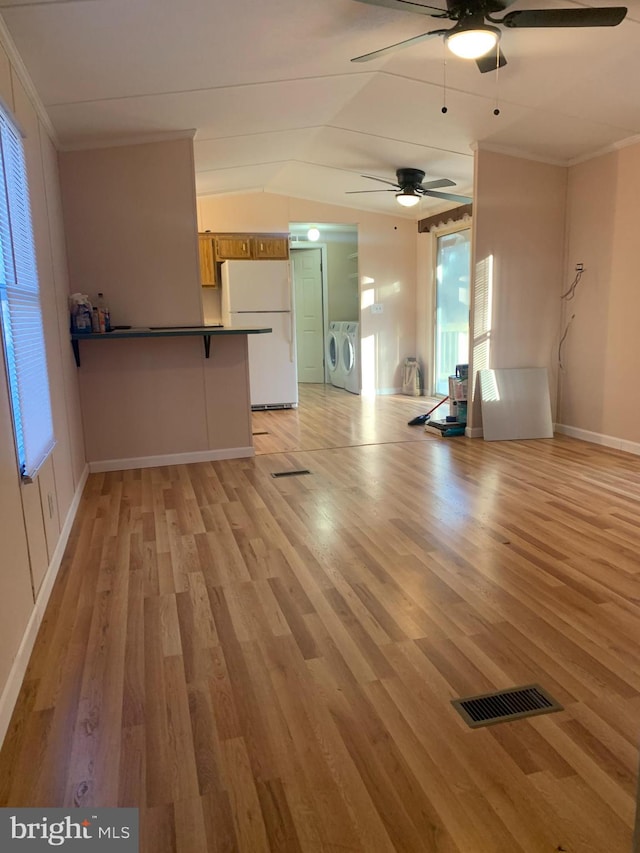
column 351, row 357
column 335, row 339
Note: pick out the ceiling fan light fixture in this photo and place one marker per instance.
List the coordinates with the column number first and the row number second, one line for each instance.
column 472, row 43
column 408, row 197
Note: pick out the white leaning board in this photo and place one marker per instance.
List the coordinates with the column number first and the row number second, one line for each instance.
column 515, row 403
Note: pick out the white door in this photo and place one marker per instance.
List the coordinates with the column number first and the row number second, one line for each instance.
column 307, row 278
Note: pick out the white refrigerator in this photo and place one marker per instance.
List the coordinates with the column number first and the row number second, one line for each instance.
column 259, row 293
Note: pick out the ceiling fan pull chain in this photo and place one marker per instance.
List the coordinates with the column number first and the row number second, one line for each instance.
column 496, row 110
column 444, row 78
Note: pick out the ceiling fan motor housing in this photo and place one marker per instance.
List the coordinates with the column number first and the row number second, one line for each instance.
column 410, row 177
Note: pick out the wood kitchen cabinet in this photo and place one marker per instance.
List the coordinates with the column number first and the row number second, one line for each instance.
column 256, row 247
column 233, row 247
column 216, row 248
column 270, row 247
column 206, row 251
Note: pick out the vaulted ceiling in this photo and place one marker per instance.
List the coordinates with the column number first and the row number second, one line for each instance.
column 278, row 106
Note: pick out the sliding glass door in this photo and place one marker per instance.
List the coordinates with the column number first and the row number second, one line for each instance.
column 453, row 263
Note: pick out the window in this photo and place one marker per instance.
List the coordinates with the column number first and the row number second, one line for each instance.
column 22, row 331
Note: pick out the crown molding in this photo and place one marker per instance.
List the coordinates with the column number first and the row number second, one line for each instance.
column 120, row 141
column 20, row 69
column 608, row 149
column 521, row 155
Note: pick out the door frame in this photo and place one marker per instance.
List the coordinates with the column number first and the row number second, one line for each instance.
column 307, row 244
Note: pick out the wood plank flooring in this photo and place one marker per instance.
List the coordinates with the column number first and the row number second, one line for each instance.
column 266, row 664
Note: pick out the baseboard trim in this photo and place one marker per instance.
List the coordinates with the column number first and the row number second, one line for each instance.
column 474, row 432
column 379, row 392
column 600, row 438
column 16, row 676
column 102, row 465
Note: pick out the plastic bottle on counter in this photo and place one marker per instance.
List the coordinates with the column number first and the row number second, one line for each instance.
column 104, row 314
column 95, row 319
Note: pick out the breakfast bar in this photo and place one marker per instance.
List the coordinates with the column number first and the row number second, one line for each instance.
column 150, row 397
column 125, row 332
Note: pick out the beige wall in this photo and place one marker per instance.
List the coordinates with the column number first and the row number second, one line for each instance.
column 130, row 219
column 149, row 398
column 35, row 518
column 386, row 266
column 518, row 254
column 342, row 275
column 130, row 214
column 600, row 355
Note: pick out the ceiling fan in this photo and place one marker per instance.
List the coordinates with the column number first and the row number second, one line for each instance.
column 472, row 38
column 411, row 186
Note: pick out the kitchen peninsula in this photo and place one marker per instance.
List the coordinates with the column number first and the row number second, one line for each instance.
column 153, row 397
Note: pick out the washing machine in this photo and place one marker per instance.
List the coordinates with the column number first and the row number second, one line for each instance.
column 351, row 357
column 335, row 338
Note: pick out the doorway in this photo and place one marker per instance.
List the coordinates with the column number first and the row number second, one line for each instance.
column 325, row 288
column 453, row 266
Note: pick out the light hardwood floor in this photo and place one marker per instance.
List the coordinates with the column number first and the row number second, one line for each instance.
column 267, row 664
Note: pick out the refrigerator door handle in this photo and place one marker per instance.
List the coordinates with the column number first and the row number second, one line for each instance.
column 291, row 333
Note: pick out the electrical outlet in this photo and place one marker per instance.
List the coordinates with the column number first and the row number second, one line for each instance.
column 377, row 308
column 579, row 267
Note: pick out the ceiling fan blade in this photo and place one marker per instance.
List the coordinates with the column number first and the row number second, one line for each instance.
column 463, row 199
column 382, row 180
column 609, row 16
column 433, row 185
column 407, row 6
column 366, row 57
column 491, row 60
column 353, row 192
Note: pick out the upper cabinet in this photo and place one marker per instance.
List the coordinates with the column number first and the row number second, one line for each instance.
column 216, row 248
column 233, row 247
column 270, row 247
column 207, row 260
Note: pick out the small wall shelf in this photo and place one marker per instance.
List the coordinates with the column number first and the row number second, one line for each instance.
column 206, row 332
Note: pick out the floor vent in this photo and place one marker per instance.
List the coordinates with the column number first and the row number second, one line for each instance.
column 261, row 432
column 291, row 473
column 503, row 706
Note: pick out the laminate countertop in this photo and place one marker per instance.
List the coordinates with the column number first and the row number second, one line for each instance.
column 207, row 332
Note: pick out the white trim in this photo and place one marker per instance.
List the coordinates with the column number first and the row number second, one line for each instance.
column 17, row 65
column 600, row 438
column 474, row 432
column 120, row 141
column 170, row 459
column 11, row 690
column 519, row 155
column 381, row 392
column 573, row 161
column 608, row 149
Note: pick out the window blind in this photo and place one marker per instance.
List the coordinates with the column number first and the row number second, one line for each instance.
column 21, row 315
